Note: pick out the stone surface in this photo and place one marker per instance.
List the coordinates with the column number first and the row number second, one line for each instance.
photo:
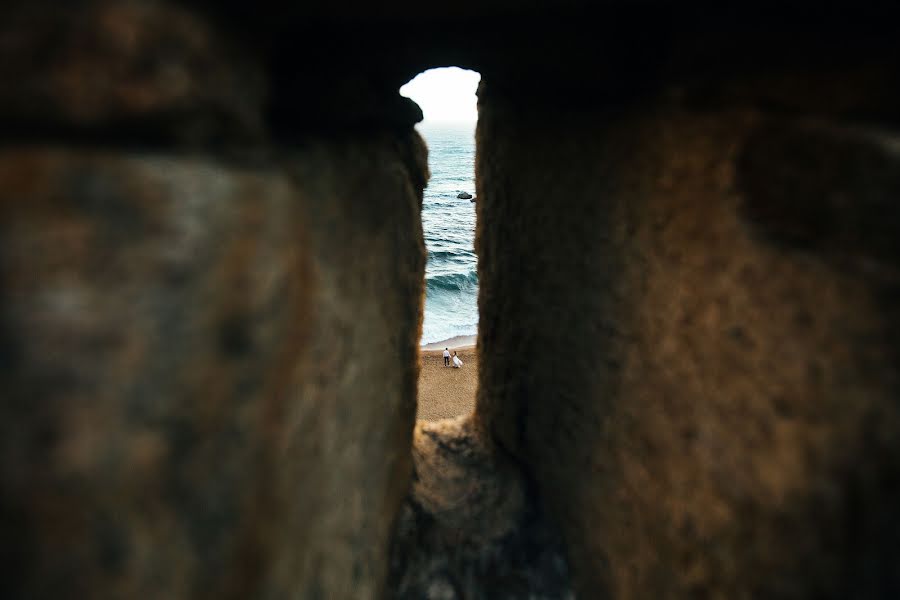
column 471, row 527
column 133, row 71
column 211, row 262
column 715, row 413
column 193, row 403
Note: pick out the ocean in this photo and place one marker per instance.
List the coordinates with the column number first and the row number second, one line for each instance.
column 451, row 273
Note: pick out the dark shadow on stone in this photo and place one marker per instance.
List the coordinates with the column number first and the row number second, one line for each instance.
column 471, row 527
column 817, row 187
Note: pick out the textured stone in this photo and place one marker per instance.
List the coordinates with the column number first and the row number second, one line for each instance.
column 209, row 371
column 714, row 412
column 130, row 70
column 211, row 263
column 471, row 527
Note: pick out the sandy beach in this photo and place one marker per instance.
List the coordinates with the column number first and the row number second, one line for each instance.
column 444, row 391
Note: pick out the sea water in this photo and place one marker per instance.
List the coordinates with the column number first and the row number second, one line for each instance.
column 451, row 273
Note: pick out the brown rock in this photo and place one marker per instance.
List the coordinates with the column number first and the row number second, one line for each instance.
column 127, row 70
column 714, row 412
column 471, row 528
column 688, row 341
column 178, row 414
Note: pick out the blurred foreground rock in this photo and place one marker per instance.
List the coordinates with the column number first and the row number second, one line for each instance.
column 212, row 267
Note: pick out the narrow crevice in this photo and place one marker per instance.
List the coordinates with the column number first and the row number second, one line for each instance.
column 471, row 526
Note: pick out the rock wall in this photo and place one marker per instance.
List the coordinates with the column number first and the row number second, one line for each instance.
column 212, row 267
column 208, row 341
column 689, row 325
column 471, row 527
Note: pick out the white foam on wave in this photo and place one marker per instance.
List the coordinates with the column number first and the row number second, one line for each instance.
column 451, row 302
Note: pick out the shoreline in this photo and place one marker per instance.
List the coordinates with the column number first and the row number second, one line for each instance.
column 458, row 342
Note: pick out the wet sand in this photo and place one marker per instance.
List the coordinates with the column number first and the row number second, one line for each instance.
column 459, row 342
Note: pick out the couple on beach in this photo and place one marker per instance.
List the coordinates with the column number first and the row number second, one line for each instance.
column 456, row 362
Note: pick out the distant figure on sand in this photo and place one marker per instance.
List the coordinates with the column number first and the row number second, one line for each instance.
column 456, row 362
column 446, row 357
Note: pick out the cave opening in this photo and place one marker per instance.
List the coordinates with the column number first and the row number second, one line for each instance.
column 447, row 384
column 470, row 526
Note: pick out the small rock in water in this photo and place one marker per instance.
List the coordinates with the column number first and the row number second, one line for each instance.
column 464, row 195
column 472, row 199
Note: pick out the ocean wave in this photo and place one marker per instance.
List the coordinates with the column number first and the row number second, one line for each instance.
column 448, row 223
column 443, row 334
column 452, row 281
column 454, row 255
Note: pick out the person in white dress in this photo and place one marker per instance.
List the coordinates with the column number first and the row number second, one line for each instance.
column 457, row 363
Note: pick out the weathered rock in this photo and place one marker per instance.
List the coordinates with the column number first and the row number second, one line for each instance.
column 209, row 317
column 125, row 70
column 472, row 527
column 715, row 409
column 464, row 195
column 177, row 410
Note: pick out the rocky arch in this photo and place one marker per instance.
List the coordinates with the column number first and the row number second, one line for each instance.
column 210, row 210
